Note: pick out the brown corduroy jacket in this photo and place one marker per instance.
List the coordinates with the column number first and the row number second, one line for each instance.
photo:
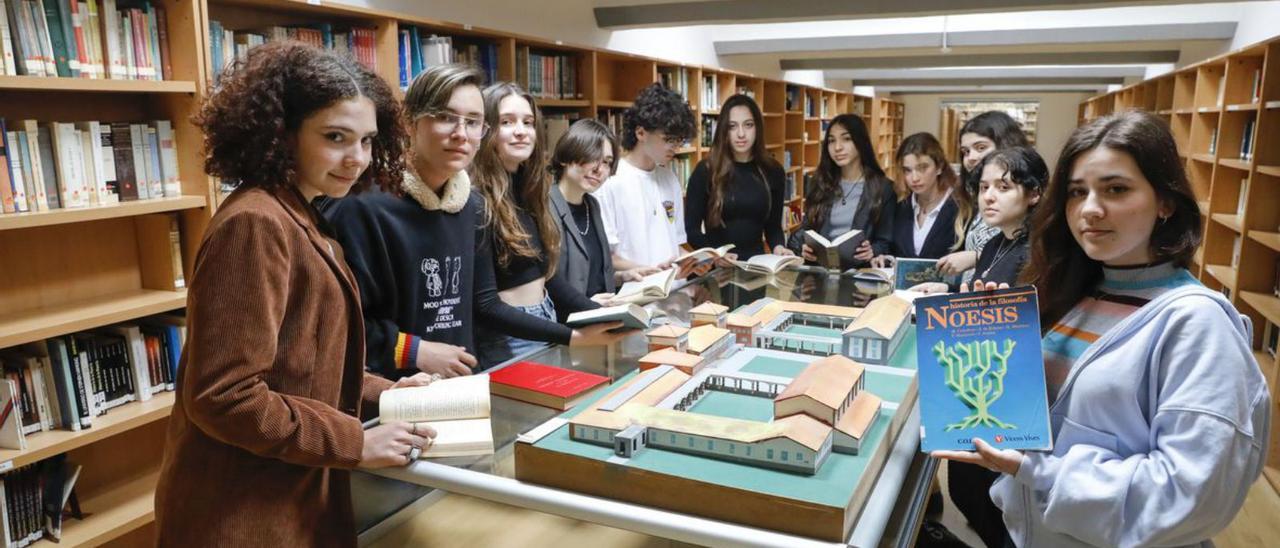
column 269, row 387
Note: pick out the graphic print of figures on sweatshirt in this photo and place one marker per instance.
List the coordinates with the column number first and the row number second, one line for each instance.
column 440, row 274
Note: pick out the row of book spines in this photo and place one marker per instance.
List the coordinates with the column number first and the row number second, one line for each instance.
column 64, row 382
column 710, row 92
column 548, row 76
column 227, row 45
column 417, row 54
column 22, row 495
column 675, row 79
column 61, row 165
column 89, row 39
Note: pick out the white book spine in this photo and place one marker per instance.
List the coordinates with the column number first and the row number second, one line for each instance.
column 8, row 63
column 86, row 163
column 17, row 182
column 89, row 136
column 36, row 163
column 46, row 46
column 51, row 391
column 111, row 26
column 168, row 158
column 42, row 397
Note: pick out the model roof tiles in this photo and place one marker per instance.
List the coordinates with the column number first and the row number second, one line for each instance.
column 668, row 330
column 827, row 381
column 671, row 356
column 704, row 336
column 860, row 415
column 803, row 430
column 741, row 320
column 882, row 316
column 709, row 308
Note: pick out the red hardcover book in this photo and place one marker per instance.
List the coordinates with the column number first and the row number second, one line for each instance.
column 544, row 385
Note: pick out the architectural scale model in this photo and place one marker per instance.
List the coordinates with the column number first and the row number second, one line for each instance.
column 708, row 313
column 764, row 414
column 822, row 409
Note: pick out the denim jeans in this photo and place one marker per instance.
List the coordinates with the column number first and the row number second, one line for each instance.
column 495, row 347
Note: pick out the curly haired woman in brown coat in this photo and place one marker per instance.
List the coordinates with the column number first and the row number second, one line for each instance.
column 271, row 382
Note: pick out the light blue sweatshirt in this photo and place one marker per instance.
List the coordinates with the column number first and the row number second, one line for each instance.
column 1160, row 429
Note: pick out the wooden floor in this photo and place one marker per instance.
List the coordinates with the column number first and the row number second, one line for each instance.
column 465, row 522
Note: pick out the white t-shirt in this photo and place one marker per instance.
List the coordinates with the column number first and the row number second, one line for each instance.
column 643, row 213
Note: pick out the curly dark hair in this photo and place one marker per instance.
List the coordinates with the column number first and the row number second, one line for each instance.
column 657, row 108
column 262, row 99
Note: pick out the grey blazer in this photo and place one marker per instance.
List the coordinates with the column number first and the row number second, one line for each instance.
column 574, row 265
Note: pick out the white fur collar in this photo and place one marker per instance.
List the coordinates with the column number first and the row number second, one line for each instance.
column 454, row 195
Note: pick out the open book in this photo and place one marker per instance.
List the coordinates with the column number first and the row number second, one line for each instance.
column 632, row 316
column 828, row 252
column 768, row 263
column 651, row 288
column 701, row 255
column 457, row 408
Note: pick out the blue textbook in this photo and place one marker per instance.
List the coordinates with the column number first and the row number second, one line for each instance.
column 911, row 272
column 981, row 371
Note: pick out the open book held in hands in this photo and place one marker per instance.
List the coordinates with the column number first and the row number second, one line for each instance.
column 651, row 288
column 701, row 255
column 829, row 252
column 768, row 263
column 457, row 408
column 632, row 316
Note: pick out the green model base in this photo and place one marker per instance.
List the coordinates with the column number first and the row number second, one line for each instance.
column 833, row 485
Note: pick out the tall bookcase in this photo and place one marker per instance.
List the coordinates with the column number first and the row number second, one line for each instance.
column 70, row 270
column 888, row 117
column 1225, row 116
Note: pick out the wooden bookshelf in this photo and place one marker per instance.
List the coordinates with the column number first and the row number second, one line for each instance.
column 76, row 269
column 43, row 445
column 47, row 84
column 123, row 209
column 52, row 321
column 1228, row 101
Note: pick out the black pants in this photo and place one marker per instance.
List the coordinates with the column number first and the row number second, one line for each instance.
column 969, row 485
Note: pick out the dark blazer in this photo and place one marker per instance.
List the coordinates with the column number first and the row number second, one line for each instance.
column 270, row 385
column 941, row 236
column 880, row 232
column 573, row 266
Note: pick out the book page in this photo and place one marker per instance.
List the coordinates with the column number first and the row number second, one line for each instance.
column 658, row 281
column 448, row 399
column 460, row 438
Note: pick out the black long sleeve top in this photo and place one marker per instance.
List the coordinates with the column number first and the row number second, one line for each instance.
column 752, row 209
column 522, row 270
column 424, row 275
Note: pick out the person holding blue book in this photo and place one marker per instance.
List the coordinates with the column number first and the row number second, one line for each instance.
column 1160, row 414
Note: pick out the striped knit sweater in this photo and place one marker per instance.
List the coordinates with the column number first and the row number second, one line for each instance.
column 1122, row 291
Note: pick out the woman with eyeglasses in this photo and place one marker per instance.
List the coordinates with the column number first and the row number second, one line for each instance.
column 510, row 175
column 582, row 160
column 422, row 254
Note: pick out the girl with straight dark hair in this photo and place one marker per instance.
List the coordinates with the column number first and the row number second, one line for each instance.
column 849, row 191
column 1160, row 414
column 735, row 196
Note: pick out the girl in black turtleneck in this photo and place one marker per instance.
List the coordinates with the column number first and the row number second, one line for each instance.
column 510, row 174
column 735, row 196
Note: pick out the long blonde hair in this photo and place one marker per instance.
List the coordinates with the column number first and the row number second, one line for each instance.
column 490, row 178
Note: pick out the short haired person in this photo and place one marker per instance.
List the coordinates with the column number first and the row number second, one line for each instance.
column 266, row 423
column 642, row 204
column 581, row 161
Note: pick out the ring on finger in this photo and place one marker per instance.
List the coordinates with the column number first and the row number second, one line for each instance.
column 414, row 453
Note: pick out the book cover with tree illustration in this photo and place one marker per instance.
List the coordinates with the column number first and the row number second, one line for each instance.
column 981, row 371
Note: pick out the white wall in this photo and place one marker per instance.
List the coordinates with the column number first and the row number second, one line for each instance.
column 1056, row 120
column 1258, row 21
